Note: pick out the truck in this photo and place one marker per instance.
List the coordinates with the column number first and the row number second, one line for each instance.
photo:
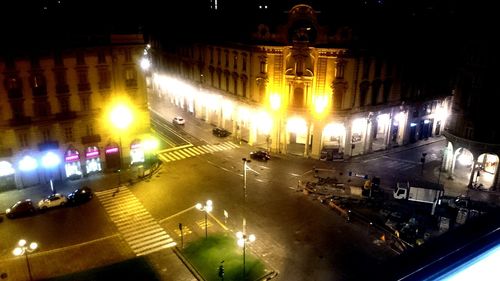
column 425, row 192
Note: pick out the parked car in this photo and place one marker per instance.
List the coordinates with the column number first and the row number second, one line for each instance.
column 80, row 195
column 220, row 132
column 21, row 208
column 52, row 201
column 178, row 120
column 262, row 155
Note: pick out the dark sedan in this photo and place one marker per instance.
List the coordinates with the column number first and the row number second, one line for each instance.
column 260, row 155
column 21, row 208
column 220, row 132
column 80, row 195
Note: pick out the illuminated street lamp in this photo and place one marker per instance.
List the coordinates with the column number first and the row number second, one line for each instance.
column 243, row 239
column 121, row 117
column 207, row 208
column 23, row 249
column 145, row 64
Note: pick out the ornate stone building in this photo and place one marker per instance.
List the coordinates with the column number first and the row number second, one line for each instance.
column 473, row 135
column 299, row 88
column 54, row 106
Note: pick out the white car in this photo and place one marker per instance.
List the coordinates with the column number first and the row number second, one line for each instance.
column 51, row 201
column 178, row 120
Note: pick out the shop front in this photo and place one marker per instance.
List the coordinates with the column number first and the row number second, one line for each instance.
column 92, row 160
column 72, row 164
column 7, row 176
column 136, row 153
column 333, row 142
column 28, row 172
column 296, row 135
column 112, row 157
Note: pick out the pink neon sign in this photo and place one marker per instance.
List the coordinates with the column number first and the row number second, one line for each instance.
column 72, row 158
column 111, row 150
column 92, row 154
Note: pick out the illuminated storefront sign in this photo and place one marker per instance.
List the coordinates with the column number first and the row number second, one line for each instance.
column 111, row 150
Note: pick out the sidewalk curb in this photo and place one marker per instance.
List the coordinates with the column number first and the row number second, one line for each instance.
column 395, row 149
column 188, row 265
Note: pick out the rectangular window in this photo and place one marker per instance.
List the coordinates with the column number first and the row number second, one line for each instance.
column 23, row 139
column 80, row 58
column 85, row 101
column 46, row 134
column 58, row 59
column 104, row 78
column 90, row 129
column 244, row 63
column 366, row 68
column 68, row 134
column 129, row 74
column 82, row 77
column 60, row 75
column 64, row 105
column 226, row 55
column 101, row 57
column 130, row 78
column 128, row 55
column 17, row 109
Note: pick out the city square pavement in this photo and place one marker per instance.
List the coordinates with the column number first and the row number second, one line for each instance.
column 164, row 264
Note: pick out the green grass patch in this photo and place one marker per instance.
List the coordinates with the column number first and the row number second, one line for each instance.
column 206, row 256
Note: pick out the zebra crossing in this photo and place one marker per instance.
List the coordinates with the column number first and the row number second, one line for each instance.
column 191, row 151
column 138, row 228
column 397, row 164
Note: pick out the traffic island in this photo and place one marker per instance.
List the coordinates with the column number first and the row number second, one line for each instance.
column 218, row 257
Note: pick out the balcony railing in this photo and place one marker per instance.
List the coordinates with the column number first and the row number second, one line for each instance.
column 62, row 89
column 68, row 115
column 84, row 87
column 20, row 121
column 91, row 139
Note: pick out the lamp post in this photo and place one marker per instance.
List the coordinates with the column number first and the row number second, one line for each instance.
column 207, row 208
column 243, row 239
column 51, row 161
column 245, row 168
column 23, row 249
column 121, row 117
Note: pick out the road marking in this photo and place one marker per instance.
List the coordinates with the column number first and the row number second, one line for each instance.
column 138, row 228
column 188, row 151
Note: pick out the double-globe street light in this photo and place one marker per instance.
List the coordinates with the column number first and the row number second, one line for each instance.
column 207, row 208
column 121, row 117
column 23, row 249
column 243, row 239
